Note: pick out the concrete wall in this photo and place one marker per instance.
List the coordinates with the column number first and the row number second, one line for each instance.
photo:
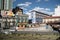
column 42, row 28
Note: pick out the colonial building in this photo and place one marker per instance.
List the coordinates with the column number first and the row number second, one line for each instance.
column 22, row 21
column 7, row 22
column 37, row 17
column 51, row 19
column 14, row 19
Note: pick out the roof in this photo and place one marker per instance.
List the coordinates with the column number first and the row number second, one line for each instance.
column 23, row 15
column 52, row 17
column 40, row 13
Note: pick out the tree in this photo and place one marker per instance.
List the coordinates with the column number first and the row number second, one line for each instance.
column 16, row 9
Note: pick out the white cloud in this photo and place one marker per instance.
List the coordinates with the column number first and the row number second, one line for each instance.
column 44, row 10
column 23, row 8
column 57, row 11
column 38, row 8
column 38, row 0
column 47, row 9
column 26, row 4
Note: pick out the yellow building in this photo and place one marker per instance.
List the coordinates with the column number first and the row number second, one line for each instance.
column 51, row 19
column 10, row 13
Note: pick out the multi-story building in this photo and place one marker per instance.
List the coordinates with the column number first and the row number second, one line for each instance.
column 1, row 4
column 18, row 19
column 7, row 22
column 22, row 21
column 6, row 4
column 37, row 17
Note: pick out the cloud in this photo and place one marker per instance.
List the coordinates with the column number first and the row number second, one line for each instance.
column 47, row 9
column 26, row 4
column 41, row 0
column 57, row 11
column 43, row 10
column 38, row 0
column 23, row 8
column 39, row 9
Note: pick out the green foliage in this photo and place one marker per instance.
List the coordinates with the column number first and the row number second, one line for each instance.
column 28, row 37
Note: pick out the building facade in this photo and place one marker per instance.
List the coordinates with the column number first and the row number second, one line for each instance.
column 7, row 22
column 22, row 21
column 51, row 19
column 37, row 17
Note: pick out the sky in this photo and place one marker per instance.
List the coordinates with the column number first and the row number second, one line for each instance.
column 57, row 11
column 46, row 6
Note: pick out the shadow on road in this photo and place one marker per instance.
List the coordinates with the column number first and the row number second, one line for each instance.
column 58, row 38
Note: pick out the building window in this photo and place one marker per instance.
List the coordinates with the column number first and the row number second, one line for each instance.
column 11, row 24
column 11, row 20
column 8, row 20
column 53, row 20
column 4, row 19
column 39, row 20
column 20, row 21
column 0, row 25
column 57, row 19
column 23, row 19
column 26, row 20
